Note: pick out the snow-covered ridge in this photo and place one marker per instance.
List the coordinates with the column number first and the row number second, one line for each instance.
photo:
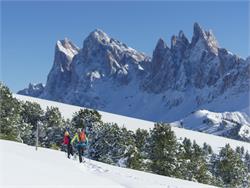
column 24, row 167
column 67, row 111
column 67, row 47
column 106, row 40
column 217, row 123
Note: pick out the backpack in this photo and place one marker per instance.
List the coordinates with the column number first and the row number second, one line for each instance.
column 82, row 137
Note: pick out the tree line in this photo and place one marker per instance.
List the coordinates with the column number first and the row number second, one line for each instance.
column 156, row 151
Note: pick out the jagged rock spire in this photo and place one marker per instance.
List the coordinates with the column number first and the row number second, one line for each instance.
column 206, row 37
column 65, row 50
column 161, row 45
column 67, row 47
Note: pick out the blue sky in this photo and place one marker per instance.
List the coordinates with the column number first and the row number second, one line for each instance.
column 29, row 30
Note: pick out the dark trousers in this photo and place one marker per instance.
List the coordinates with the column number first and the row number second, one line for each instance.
column 80, row 152
column 69, row 150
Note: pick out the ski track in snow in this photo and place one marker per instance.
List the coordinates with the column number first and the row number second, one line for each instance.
column 216, row 142
column 24, row 167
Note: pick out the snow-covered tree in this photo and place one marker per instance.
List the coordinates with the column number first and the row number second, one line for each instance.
column 110, row 144
column 99, row 148
column 133, row 158
column 138, row 157
column 141, row 139
column 247, row 161
column 207, row 149
column 52, row 130
column 86, row 119
column 25, row 132
column 9, row 114
column 193, row 163
column 31, row 114
column 231, row 168
column 164, row 149
column 240, row 151
column 200, row 167
column 91, row 121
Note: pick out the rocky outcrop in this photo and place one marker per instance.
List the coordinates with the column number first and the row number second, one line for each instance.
column 197, row 64
column 34, row 90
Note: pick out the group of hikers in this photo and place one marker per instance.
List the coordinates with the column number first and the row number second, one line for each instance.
column 79, row 141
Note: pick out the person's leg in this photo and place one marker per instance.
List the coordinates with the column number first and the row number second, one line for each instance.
column 71, row 150
column 80, row 153
column 68, row 150
column 83, row 149
column 83, row 152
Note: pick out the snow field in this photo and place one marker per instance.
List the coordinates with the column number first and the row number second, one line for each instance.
column 24, row 167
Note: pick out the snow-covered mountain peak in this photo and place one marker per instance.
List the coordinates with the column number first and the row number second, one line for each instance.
column 99, row 35
column 204, row 40
column 65, row 50
column 98, row 41
column 67, row 47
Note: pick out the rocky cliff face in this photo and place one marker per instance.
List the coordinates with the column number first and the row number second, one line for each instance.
column 186, row 76
column 58, row 79
column 197, row 64
column 34, row 90
column 104, row 58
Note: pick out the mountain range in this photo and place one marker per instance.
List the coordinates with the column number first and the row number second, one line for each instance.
column 179, row 80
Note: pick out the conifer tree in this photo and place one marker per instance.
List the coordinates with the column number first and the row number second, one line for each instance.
column 207, row 149
column 103, row 142
column 134, row 158
column 31, row 114
column 164, row 149
column 9, row 114
column 25, row 132
column 193, row 164
column 200, row 167
column 85, row 119
column 53, row 127
column 247, row 161
column 141, row 139
column 231, row 168
column 141, row 150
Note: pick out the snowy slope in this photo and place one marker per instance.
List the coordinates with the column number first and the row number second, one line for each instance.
column 222, row 124
column 67, row 111
column 23, row 167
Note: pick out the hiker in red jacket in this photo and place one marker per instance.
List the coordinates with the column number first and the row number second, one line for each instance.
column 67, row 142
